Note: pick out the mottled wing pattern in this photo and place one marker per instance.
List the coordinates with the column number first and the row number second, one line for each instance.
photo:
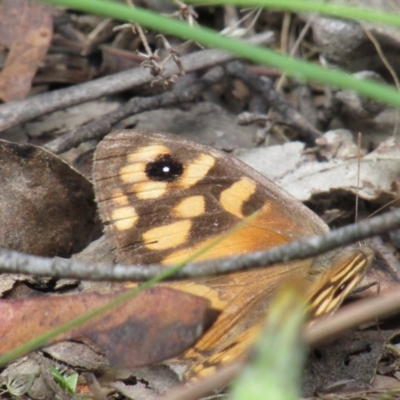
column 162, row 197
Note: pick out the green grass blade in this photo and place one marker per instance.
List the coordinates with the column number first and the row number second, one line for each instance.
column 275, row 372
column 315, row 6
column 298, row 69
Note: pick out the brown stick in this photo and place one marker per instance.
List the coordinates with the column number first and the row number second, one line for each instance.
column 265, row 87
column 22, row 111
column 14, row 262
column 99, row 127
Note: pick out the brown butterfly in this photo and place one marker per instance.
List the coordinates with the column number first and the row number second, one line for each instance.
column 162, row 197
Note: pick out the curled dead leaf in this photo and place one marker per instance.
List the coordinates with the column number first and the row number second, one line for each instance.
column 46, row 207
column 157, row 324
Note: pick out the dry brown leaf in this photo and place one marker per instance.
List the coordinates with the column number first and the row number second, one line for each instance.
column 157, row 324
column 268, row 160
column 379, row 176
column 379, row 171
column 26, row 28
column 46, row 207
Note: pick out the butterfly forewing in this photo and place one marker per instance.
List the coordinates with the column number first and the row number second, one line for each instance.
column 162, row 197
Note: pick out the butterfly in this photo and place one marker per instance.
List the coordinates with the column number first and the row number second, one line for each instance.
column 161, row 198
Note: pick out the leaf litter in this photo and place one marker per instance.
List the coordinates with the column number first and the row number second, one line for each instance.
column 325, row 176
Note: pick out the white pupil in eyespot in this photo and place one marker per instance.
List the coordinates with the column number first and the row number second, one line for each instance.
column 166, row 169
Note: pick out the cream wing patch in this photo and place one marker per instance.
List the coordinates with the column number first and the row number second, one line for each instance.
column 233, row 198
column 190, row 207
column 349, row 267
column 120, row 198
column 132, row 173
column 147, row 153
column 196, row 171
column 150, row 189
column 167, row 236
column 124, row 218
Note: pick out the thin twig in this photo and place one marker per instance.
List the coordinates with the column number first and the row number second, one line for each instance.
column 221, row 378
column 99, row 127
column 358, row 176
column 353, row 315
column 293, row 51
column 388, row 66
column 22, row 111
column 14, row 262
column 382, row 55
column 265, row 87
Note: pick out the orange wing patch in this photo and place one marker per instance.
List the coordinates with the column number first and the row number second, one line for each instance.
column 233, row 198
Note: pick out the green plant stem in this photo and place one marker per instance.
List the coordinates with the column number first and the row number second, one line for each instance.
column 315, row 6
column 278, row 357
column 301, row 70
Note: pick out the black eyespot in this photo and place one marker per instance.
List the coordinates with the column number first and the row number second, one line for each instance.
column 165, row 168
column 341, row 289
